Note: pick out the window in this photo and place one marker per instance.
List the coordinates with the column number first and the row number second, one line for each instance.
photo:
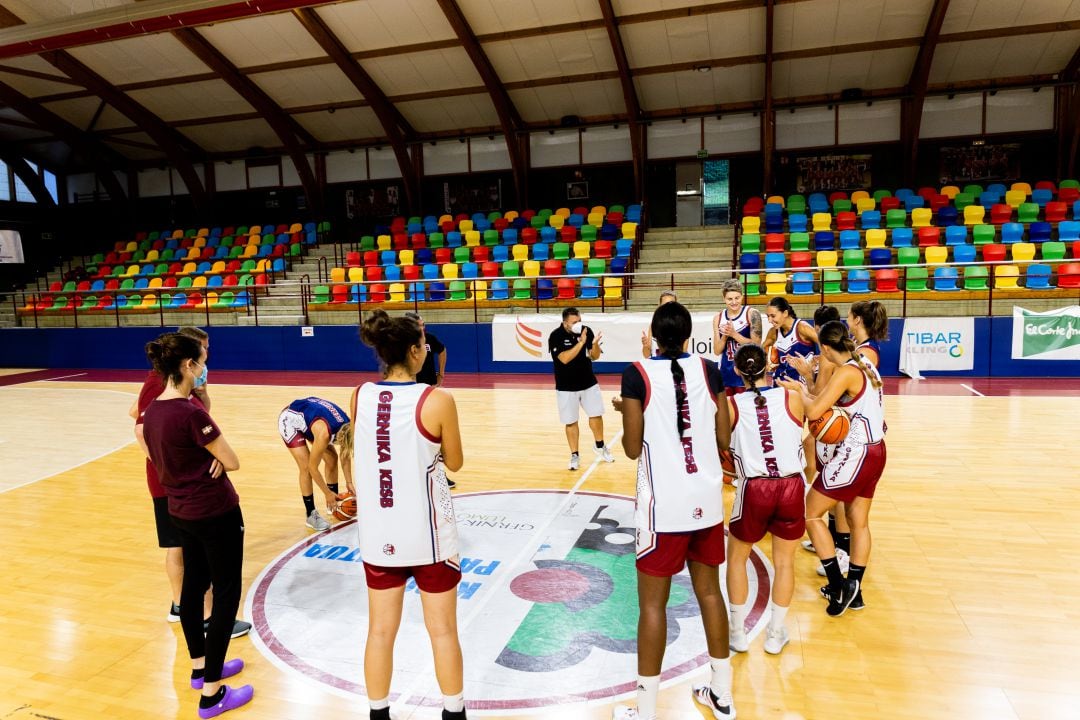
column 22, row 193
column 50, row 184
column 5, row 185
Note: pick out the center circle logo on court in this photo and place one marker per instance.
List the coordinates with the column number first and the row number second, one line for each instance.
column 547, row 607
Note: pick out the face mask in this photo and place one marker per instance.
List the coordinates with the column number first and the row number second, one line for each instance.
column 577, row 327
column 201, row 379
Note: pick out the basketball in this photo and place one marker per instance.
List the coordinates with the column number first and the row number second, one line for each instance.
column 727, row 464
column 345, row 509
column 832, row 427
column 774, row 356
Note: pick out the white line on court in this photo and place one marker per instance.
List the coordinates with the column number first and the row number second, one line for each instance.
column 62, row 377
column 972, row 390
column 527, row 551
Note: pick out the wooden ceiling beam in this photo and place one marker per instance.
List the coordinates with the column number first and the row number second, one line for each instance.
column 630, row 97
column 912, row 107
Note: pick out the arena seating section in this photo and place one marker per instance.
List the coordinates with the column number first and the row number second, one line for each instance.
column 185, row 270
column 833, row 244
column 508, row 256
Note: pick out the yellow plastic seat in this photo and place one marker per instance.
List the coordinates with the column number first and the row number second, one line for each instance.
column 383, row 242
column 356, row 274
column 751, row 225
column 519, row 252
column 822, row 222
column 936, row 254
column 629, row 230
column 921, row 217
column 974, row 214
column 556, row 221
column 864, row 204
column 465, row 226
column 875, row 239
column 1006, row 277
column 581, row 250
column 1015, row 198
column 472, row 237
column 406, row 257
column 613, row 287
column 596, row 219
column 531, row 268
column 397, row 292
column 776, row 284
column 450, row 270
column 827, row 258
column 1022, row 251
column 479, row 289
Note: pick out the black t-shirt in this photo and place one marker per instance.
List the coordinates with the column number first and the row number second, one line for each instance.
column 434, row 349
column 577, row 374
column 633, row 384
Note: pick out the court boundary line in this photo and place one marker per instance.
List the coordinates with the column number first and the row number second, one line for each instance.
column 408, row 695
column 972, row 390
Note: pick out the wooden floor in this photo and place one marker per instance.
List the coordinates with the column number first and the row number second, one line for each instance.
column 973, row 599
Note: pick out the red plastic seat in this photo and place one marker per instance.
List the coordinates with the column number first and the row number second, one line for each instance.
column 567, row 288
column 378, row 293
column 410, row 272
column 929, row 236
column 401, row 241
column 481, row 254
column 1069, row 275
column 801, row 259
column 1056, row 211
column 374, row 273
column 418, row 240
column 371, row 257
column 444, row 255
column 1000, row 214
column 489, row 270
column 886, row 280
column 993, row 252
column 353, row 259
column 889, row 203
column 845, row 221
column 603, row 248
column 528, row 235
column 775, row 242
column 553, row 267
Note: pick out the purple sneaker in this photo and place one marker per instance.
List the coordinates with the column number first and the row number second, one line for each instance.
column 230, row 668
column 233, row 699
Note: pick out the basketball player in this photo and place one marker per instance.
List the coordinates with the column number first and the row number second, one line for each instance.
column 868, row 323
column 733, row 327
column 436, row 352
column 790, row 336
column 646, row 335
column 675, row 427
column 573, row 349
column 168, row 536
column 192, row 457
column 767, row 449
column 308, row 427
column 851, row 475
column 404, row 434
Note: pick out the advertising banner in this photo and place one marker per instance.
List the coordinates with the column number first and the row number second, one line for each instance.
column 11, row 250
column 1053, row 335
column 942, row 343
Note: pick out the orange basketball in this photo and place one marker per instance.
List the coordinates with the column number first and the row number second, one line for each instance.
column 727, row 464
column 774, row 356
column 832, row 427
column 345, row 509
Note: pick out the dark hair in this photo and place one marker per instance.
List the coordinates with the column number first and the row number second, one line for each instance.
column 168, row 351
column 874, row 318
column 390, row 337
column 824, row 314
column 671, row 327
column 413, row 315
column 194, row 332
column 834, row 335
column 567, row 312
column 783, row 305
column 750, row 362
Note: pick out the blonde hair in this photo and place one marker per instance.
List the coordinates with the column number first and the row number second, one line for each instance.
column 344, row 442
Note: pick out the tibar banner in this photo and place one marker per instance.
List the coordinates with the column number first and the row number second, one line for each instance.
column 941, row 343
column 524, row 338
column 1052, row 335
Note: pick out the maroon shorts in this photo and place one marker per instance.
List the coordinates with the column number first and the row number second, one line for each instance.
column 433, row 578
column 853, row 471
column 672, row 550
column 773, row 505
column 732, row 391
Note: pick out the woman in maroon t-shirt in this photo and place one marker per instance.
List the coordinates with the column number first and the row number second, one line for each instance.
column 191, row 457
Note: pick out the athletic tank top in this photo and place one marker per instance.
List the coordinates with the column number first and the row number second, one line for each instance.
column 727, row 350
column 680, row 482
column 312, row 409
column 866, row 408
column 403, row 506
column 766, row 441
column 787, row 346
column 871, row 345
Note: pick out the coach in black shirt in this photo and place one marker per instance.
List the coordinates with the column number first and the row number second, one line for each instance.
column 436, row 354
column 573, row 348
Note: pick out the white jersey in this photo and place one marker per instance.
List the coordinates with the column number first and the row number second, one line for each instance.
column 867, row 409
column 766, row 441
column 680, row 481
column 741, row 324
column 403, row 506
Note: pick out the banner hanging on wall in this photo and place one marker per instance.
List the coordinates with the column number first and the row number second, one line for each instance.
column 1052, row 335
column 524, row 338
column 11, row 249
column 944, row 343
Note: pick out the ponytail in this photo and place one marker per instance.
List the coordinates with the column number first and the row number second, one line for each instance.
column 678, row 377
column 750, row 362
column 835, row 335
column 671, row 327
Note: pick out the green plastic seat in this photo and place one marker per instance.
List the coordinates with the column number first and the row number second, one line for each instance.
column 457, row 290
column 597, row 266
column 236, row 251
column 248, row 266
column 226, row 241
column 436, row 240
column 879, row 194
column 796, row 205
column 545, row 213
column 753, row 285
column 1027, row 213
column 185, row 282
column 320, row 295
column 854, row 257
column 97, row 259
column 167, row 254
column 1054, row 250
column 962, row 200
column 588, row 233
column 522, row 289
column 511, row 268
column 367, row 242
column 830, row 281
column 560, row 251
column 494, row 215
column 842, row 205
column 225, row 299
column 751, row 243
column 984, row 234
column 128, row 284
column 907, row 256
column 915, row 279
column 1070, row 183
column 974, row 190
column 896, row 218
column 537, row 221
column 89, row 302
column 799, row 242
column 491, row 237
column 462, row 255
column 975, row 277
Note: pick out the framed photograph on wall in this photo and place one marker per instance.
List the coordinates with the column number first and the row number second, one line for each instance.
column 577, row 190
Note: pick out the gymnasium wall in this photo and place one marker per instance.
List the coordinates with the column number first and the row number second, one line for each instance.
column 338, row 348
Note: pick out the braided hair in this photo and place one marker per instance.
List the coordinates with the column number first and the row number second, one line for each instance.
column 834, row 335
column 671, row 327
column 750, row 362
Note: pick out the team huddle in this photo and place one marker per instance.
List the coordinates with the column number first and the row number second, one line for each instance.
column 690, row 422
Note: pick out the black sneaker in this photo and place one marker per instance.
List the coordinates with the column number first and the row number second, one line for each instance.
column 857, row 603
column 838, row 604
column 447, row 715
column 174, row 613
column 240, row 628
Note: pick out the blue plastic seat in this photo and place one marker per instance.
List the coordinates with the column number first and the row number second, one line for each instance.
column 437, row 292
column 470, row 270
column 545, row 289
column 590, row 288
column 388, row 257
column 1037, row 277
column 1012, row 233
column 870, row 220
column 500, row 254
column 796, row 223
column 500, row 290
column 956, row 235
column 750, row 261
column 548, row 235
column 575, row 266
column 623, row 248
column 510, row 236
column 963, row 253
column 617, row 266
column 431, row 272
column 946, row 216
column 392, row 273
column 802, row 283
column 945, row 279
column 914, row 201
column 849, row 240
column 903, row 194
column 453, row 239
column 902, row 237
column 1039, row 231
column 775, row 261
column 824, row 240
column 858, row 281
column 880, row 256
column 1041, row 196
column 541, row 251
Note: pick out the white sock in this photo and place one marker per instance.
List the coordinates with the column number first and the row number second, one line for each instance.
column 738, row 615
column 647, row 690
column 454, row 703
column 721, row 675
column 379, row 704
column 779, row 614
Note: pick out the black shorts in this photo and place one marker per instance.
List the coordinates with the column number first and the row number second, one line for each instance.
column 167, row 534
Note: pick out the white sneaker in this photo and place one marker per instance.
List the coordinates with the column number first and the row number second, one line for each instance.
column 723, row 707
column 808, row 546
column 317, row 522
column 604, row 453
column 575, row 461
column 737, row 640
column 842, row 558
column 775, row 640
column 625, row 712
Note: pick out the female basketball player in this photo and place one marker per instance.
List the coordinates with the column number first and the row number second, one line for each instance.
column 733, row 327
column 308, row 427
column 404, row 434
column 191, row 457
column 670, row 410
column 766, row 443
column 868, row 323
column 790, row 336
column 851, row 475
